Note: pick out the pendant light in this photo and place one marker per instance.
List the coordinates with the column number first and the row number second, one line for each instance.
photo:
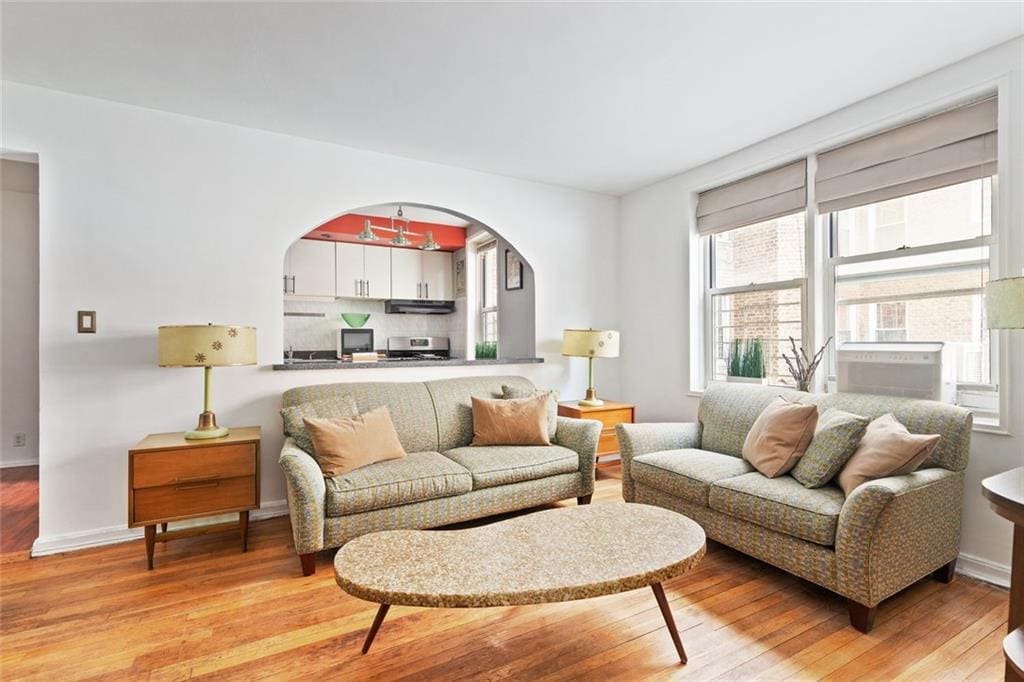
column 400, row 238
column 403, row 227
column 429, row 244
column 367, row 234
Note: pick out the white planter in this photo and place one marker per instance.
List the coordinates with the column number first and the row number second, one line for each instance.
column 763, row 381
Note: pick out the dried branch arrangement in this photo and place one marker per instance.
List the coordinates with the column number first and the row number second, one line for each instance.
column 801, row 367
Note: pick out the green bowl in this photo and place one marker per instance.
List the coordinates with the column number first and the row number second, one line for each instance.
column 355, row 320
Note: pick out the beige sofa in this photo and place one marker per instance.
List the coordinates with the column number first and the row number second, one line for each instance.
column 886, row 535
column 443, row 480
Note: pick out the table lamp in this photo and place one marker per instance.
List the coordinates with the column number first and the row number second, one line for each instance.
column 207, row 346
column 1004, row 303
column 590, row 344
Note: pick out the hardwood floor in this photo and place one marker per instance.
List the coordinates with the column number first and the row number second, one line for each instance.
column 210, row 611
column 19, row 508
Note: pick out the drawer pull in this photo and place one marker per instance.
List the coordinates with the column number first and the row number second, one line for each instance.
column 195, row 486
column 198, row 479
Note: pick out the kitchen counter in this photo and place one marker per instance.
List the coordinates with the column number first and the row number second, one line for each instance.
column 455, row 362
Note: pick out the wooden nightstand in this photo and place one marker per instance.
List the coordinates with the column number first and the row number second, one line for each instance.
column 172, row 479
column 609, row 414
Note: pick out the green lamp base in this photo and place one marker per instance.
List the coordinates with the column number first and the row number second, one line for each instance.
column 207, row 428
column 591, row 403
column 591, row 400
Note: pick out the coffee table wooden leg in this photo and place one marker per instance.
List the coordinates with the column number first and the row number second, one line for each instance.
column 670, row 623
column 377, row 620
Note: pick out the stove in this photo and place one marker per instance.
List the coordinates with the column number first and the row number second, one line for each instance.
column 411, row 348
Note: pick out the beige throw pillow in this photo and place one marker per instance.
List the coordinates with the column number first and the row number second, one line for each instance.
column 780, row 436
column 513, row 392
column 341, row 444
column 512, row 421
column 887, row 449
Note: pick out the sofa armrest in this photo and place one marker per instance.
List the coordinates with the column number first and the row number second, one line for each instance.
column 894, row 531
column 640, row 439
column 581, row 435
column 306, row 492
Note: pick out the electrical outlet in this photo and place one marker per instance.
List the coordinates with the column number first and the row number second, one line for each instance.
column 19, row 440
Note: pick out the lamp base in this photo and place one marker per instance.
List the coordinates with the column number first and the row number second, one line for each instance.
column 207, row 428
column 591, row 400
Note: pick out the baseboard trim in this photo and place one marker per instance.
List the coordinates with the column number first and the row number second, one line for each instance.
column 11, row 463
column 112, row 535
column 983, row 569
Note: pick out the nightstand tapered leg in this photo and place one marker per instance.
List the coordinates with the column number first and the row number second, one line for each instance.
column 150, row 545
column 243, row 525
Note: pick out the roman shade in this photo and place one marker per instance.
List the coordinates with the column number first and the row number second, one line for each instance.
column 941, row 150
column 768, row 195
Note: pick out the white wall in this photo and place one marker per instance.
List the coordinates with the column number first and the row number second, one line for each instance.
column 153, row 218
column 656, row 282
column 19, row 319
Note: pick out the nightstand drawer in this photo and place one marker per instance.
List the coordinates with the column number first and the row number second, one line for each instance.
column 608, row 443
column 612, row 417
column 178, row 467
column 193, row 499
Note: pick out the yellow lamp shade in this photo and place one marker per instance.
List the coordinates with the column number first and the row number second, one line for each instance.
column 590, row 343
column 1004, row 303
column 207, row 345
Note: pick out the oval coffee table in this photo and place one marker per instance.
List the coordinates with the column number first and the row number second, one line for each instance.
column 548, row 556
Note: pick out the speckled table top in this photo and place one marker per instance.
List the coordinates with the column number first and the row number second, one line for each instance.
column 548, row 556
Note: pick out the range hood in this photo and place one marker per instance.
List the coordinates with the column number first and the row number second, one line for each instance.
column 418, row 306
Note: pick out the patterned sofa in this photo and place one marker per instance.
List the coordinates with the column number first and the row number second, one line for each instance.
column 442, row 480
column 886, row 535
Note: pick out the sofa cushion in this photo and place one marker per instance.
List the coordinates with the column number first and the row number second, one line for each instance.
column 781, row 504
column 392, row 483
column 686, row 473
column 728, row 411
column 294, row 416
column 780, row 436
column 835, row 440
column 512, row 392
column 493, row 465
column 452, row 403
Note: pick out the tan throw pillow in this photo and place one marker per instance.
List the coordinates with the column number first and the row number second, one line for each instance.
column 513, row 392
column 341, row 444
column 887, row 449
column 780, row 436
column 512, row 421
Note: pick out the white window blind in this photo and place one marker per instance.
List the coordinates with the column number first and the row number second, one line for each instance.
column 761, row 197
column 945, row 149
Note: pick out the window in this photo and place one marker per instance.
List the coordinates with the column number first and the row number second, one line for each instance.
column 925, row 285
column 488, row 255
column 757, row 291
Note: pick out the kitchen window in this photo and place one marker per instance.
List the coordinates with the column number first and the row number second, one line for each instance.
column 488, row 255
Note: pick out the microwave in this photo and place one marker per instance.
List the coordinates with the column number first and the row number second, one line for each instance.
column 355, row 341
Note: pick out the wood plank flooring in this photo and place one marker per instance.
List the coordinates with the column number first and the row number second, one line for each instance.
column 209, row 611
column 19, row 508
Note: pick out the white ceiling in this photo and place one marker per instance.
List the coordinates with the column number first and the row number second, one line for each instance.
column 602, row 96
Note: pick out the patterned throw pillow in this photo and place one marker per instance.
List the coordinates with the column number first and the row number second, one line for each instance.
column 511, row 392
column 836, row 438
column 338, row 406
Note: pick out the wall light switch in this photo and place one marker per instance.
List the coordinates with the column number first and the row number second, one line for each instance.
column 19, row 440
column 86, row 321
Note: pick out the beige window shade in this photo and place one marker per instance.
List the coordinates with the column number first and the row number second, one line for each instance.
column 751, row 200
column 948, row 148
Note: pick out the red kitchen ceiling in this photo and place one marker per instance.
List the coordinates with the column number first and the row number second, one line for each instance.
column 345, row 228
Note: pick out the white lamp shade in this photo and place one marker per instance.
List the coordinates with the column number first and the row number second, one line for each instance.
column 1004, row 303
column 590, row 343
column 207, row 345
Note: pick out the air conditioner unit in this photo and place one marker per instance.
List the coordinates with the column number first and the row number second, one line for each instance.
column 907, row 369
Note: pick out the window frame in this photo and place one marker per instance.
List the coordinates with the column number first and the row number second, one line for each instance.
column 484, row 309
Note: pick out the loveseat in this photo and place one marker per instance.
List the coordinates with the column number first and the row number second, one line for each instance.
column 443, row 480
column 886, row 535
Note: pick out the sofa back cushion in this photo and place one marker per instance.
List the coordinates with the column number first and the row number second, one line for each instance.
column 410, row 405
column 453, row 403
column 728, row 411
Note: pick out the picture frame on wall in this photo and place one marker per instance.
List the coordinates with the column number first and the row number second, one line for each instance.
column 513, row 271
column 460, row 277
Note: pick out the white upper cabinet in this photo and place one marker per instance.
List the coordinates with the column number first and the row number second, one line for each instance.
column 350, row 272
column 437, row 276
column 309, row 269
column 406, row 273
column 377, row 271
column 363, row 271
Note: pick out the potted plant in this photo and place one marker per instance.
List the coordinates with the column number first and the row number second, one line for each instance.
column 746, row 362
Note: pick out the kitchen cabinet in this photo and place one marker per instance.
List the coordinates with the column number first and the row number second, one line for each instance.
column 363, row 271
column 437, row 276
column 309, row 269
column 423, row 275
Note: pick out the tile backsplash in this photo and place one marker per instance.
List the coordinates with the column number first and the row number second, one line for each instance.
column 319, row 333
